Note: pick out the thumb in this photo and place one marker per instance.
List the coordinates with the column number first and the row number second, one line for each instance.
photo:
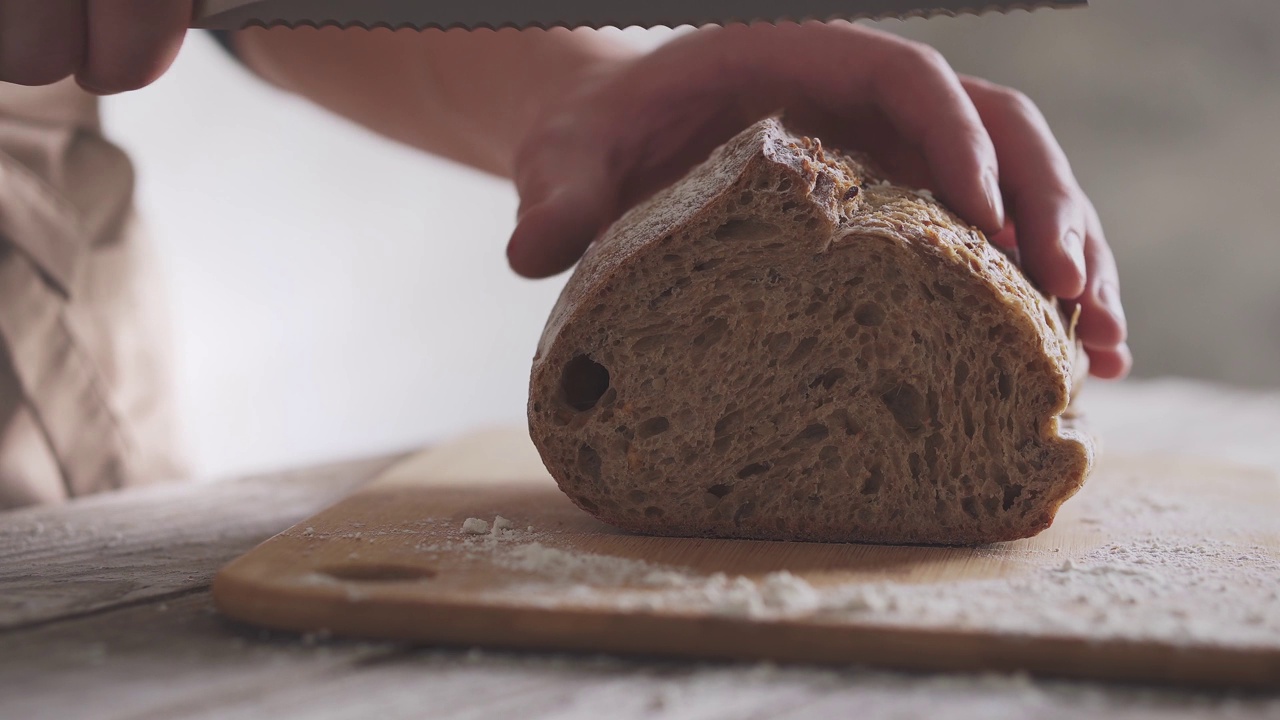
column 562, row 211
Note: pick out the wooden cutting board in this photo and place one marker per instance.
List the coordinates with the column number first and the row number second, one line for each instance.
column 1159, row 571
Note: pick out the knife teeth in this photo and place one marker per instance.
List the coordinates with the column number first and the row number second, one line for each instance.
column 977, row 9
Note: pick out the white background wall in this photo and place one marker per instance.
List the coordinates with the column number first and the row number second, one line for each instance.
column 334, row 294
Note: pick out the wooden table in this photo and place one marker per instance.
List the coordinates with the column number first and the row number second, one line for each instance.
column 105, row 613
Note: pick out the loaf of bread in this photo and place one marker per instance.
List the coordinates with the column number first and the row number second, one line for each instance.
column 785, row 346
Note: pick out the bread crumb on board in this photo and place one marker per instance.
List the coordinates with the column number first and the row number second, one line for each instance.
column 475, row 526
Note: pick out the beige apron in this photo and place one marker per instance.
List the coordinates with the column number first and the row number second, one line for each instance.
column 84, row 372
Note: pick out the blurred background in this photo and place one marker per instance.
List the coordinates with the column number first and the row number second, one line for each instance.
column 336, row 295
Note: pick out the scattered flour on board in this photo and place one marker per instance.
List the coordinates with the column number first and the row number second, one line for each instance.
column 1159, row 584
column 1210, row 591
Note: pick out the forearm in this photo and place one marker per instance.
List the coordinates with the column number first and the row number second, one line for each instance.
column 467, row 96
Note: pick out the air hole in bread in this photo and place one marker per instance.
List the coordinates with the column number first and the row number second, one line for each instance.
column 874, row 481
column 931, row 446
column 830, row 456
column 802, row 351
column 1005, row 386
column 916, row 464
column 665, row 296
column 907, row 406
column 589, row 462
column 719, row 491
column 829, row 378
column 744, row 229
column 583, row 382
column 653, row 427
column 650, row 342
column 745, row 510
column 754, row 469
column 844, row 421
column 712, row 335
column 812, row 434
column 726, row 427
column 745, row 197
column 653, row 512
column 775, row 343
column 1011, row 494
column 869, row 314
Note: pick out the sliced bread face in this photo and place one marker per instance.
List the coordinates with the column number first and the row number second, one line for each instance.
column 784, row 346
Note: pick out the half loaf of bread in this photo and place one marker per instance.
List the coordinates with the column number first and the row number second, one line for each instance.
column 784, row 346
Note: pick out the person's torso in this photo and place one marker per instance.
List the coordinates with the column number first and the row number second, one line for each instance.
column 84, row 401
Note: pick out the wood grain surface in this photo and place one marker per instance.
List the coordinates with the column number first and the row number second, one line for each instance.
column 391, row 562
column 119, row 549
column 165, row 653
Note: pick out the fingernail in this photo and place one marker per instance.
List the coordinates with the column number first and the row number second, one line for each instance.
column 1109, row 297
column 1073, row 246
column 992, row 189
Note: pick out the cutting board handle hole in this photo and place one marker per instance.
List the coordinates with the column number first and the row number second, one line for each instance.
column 378, row 573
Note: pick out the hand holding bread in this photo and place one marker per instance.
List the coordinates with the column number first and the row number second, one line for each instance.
column 628, row 127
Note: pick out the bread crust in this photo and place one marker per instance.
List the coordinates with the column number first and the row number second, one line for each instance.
column 610, row 463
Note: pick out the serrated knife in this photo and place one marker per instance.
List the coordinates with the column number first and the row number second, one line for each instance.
column 420, row 14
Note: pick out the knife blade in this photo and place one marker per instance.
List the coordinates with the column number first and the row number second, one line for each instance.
column 470, row 14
